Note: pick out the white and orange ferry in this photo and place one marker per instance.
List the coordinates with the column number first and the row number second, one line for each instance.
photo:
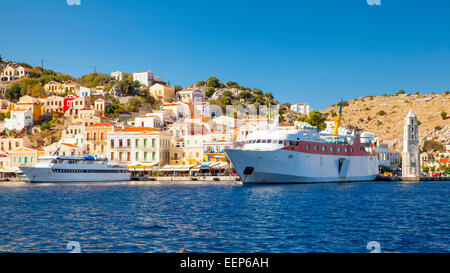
column 305, row 155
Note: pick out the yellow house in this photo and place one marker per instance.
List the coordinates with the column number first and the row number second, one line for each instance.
column 57, row 87
column 54, row 86
column 164, row 93
column 25, row 156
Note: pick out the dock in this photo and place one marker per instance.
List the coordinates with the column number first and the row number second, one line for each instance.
column 412, row 179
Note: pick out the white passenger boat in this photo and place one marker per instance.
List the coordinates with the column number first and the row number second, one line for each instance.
column 75, row 169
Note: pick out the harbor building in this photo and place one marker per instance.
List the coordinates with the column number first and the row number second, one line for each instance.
column 139, row 146
column 411, row 155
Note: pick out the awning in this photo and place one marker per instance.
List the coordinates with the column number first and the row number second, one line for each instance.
column 142, row 165
column 176, row 168
column 220, row 165
column 10, row 170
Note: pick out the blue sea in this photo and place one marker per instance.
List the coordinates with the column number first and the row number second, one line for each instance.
column 143, row 217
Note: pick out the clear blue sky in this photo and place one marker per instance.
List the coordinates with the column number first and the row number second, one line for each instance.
column 313, row 51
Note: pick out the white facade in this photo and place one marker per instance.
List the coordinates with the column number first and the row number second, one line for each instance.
column 84, row 92
column 19, row 119
column 411, row 155
column 118, row 75
column 201, row 108
column 148, row 120
column 144, row 77
column 190, row 95
column 301, row 108
column 384, row 155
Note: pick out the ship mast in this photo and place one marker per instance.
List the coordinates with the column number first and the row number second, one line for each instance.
column 338, row 119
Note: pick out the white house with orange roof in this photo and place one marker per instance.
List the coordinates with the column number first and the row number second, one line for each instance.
column 148, row 120
column 163, row 92
column 19, row 119
column 301, row 108
column 190, row 95
column 178, row 110
column 11, row 73
column 145, row 78
column 63, row 149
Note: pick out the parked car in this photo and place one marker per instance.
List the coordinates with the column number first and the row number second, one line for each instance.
column 436, row 175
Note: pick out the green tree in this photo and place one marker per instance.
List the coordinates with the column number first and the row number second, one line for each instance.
column 244, row 95
column 114, row 110
column 257, row 91
column 14, row 92
column 400, row 92
column 317, row 119
column 381, row 113
column 209, row 92
column 129, row 87
column 302, row 119
column 269, row 95
column 213, row 82
column 444, row 115
column 432, row 146
column 178, row 88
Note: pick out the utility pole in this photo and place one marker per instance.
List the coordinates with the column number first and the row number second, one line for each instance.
column 95, row 69
column 42, row 64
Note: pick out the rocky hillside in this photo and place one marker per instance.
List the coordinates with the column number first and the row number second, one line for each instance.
column 384, row 116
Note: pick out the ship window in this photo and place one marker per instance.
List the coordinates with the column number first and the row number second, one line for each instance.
column 346, row 149
column 258, row 141
column 339, row 149
column 324, row 148
column 269, row 141
column 316, row 148
column 264, row 141
column 280, row 141
column 351, row 150
column 307, row 147
column 331, row 149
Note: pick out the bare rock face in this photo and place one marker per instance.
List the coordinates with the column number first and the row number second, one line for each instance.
column 115, row 91
column 365, row 113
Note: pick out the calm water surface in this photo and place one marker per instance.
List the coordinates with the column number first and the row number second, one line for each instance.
column 127, row 217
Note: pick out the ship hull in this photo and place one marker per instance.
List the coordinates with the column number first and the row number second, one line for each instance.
column 284, row 166
column 40, row 175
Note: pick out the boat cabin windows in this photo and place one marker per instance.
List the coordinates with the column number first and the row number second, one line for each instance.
column 316, row 148
column 307, row 147
column 324, row 148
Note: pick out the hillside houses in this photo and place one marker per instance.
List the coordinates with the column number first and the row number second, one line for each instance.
column 11, row 73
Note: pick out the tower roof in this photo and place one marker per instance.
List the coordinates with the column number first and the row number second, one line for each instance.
column 411, row 114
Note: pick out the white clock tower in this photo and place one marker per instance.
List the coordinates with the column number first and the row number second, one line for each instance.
column 411, row 155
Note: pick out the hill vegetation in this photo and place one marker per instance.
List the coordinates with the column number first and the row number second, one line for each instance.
column 384, row 115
